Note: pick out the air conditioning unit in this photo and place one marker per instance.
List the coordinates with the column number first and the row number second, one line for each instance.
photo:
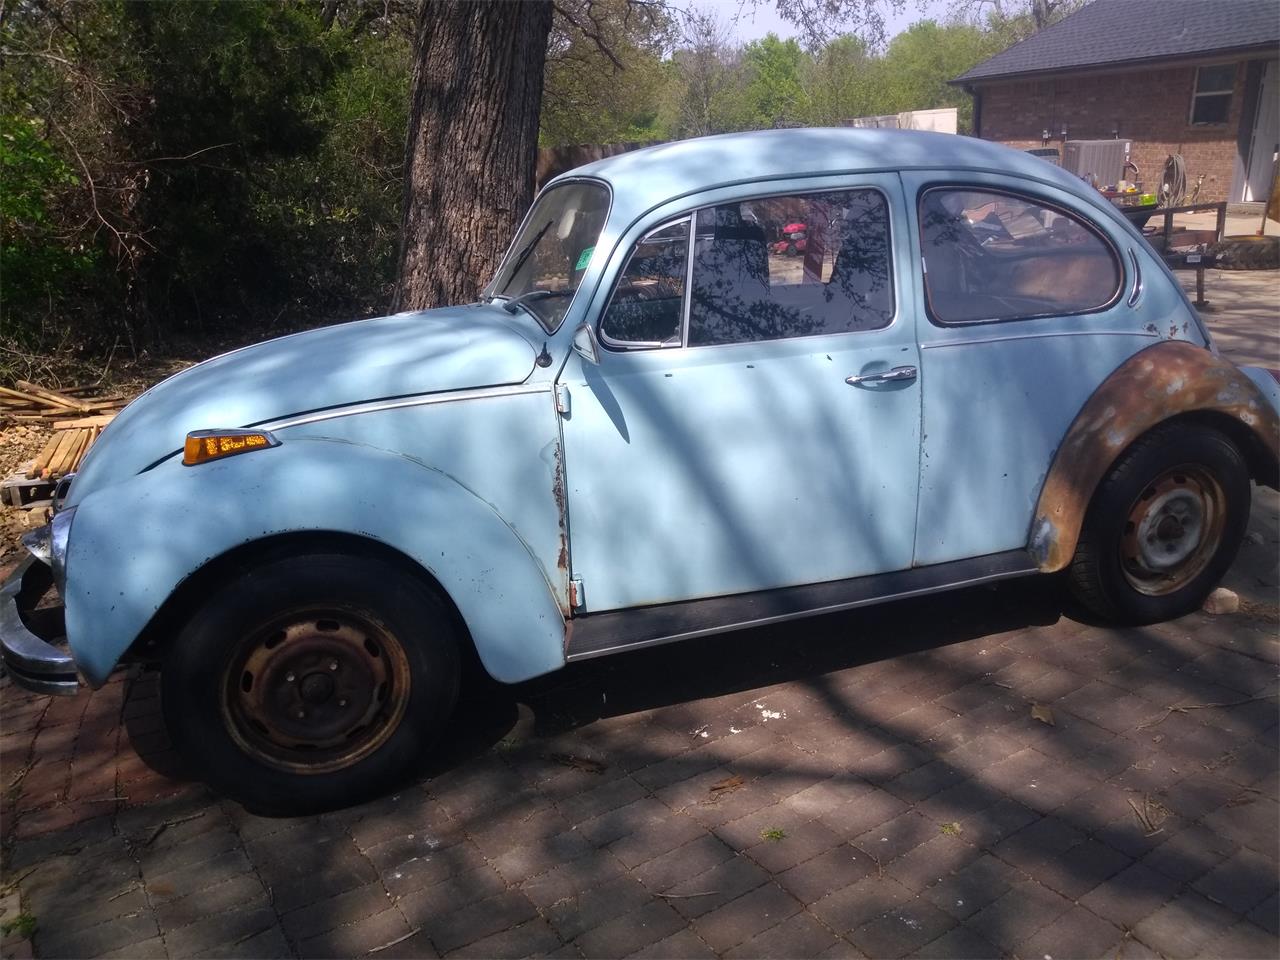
column 1101, row 161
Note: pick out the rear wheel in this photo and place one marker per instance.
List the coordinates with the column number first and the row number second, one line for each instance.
column 312, row 681
column 1164, row 526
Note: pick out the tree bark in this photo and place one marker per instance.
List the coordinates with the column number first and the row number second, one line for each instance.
column 472, row 146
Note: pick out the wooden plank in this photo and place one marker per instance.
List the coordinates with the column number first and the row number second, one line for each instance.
column 51, row 396
column 34, row 401
column 85, row 443
column 42, row 461
column 77, row 451
column 58, row 465
column 19, row 491
column 65, row 439
column 99, row 420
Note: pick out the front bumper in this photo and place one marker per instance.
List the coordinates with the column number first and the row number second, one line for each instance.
column 33, row 663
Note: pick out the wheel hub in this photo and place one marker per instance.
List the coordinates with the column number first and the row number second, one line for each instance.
column 1172, row 530
column 316, row 692
column 316, row 688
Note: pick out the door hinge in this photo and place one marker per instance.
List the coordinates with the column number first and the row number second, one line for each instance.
column 562, row 399
column 576, row 594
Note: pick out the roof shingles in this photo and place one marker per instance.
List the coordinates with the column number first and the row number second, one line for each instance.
column 1108, row 32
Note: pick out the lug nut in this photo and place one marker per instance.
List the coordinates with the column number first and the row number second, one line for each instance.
column 301, row 714
column 342, row 703
column 289, row 677
column 333, row 664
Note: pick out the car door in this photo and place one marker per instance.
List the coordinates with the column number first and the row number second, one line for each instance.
column 1030, row 302
column 754, row 419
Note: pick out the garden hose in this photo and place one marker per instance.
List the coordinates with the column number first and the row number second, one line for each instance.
column 1173, row 182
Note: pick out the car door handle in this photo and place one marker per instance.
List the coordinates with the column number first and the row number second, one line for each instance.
column 897, row 373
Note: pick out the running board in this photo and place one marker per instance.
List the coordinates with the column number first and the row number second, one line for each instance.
column 613, row 631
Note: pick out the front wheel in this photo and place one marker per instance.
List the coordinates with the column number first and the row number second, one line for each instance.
column 312, row 681
column 1163, row 527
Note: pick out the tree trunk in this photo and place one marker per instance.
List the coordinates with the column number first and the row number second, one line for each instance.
column 472, row 147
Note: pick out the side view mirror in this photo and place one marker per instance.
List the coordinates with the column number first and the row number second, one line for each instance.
column 585, row 344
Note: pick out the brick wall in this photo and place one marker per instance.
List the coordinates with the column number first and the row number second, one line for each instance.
column 1152, row 108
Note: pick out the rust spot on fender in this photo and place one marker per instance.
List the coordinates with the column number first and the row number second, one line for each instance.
column 1162, row 381
column 562, row 559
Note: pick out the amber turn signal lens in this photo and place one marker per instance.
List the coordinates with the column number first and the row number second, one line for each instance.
column 205, row 445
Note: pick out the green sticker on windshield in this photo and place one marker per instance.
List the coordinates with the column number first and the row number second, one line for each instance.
column 584, row 258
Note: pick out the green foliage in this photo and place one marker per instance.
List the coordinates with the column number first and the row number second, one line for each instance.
column 24, row 925
column 840, row 82
column 198, row 166
column 772, row 92
column 605, row 90
column 34, row 259
column 914, row 71
column 171, row 166
column 225, row 123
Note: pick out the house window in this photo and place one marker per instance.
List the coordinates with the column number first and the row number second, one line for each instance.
column 1211, row 102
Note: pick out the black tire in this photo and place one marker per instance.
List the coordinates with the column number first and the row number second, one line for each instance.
column 371, row 660
column 1112, row 573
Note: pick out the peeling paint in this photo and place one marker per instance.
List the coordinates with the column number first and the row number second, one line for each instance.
column 1162, row 381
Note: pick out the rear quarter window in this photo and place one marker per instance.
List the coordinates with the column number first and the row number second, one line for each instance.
column 991, row 256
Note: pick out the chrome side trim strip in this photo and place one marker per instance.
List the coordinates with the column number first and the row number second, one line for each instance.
column 598, row 635
column 1145, row 334
column 422, row 400
column 1137, row 278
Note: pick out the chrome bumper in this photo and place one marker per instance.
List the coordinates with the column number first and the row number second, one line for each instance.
column 32, row 663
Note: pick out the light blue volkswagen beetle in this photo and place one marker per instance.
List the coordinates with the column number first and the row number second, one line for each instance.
column 714, row 383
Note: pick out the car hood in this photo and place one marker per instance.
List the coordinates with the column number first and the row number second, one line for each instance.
column 452, row 348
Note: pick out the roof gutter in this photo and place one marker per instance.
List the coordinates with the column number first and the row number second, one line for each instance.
column 1116, row 66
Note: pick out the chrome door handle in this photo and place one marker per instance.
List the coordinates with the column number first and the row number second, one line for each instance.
column 897, row 373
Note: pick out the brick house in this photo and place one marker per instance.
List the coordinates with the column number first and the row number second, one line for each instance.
column 1198, row 78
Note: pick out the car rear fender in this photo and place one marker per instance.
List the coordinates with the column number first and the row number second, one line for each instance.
column 1166, row 380
column 133, row 544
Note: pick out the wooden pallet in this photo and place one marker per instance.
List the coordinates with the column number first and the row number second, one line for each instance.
column 22, row 492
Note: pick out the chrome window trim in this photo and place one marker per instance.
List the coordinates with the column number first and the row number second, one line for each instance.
column 623, row 346
column 487, row 292
column 1040, row 335
column 1137, row 278
column 687, row 307
column 1087, row 222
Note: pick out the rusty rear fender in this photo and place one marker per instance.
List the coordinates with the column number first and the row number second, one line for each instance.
column 1165, row 381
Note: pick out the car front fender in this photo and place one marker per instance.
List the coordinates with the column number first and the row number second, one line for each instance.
column 1165, row 380
column 132, row 544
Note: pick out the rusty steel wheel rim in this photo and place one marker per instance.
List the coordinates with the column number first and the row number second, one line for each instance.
column 316, row 690
column 1172, row 530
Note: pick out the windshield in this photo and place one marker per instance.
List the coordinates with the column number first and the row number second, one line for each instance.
column 547, row 259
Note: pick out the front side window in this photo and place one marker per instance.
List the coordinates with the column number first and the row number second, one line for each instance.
column 993, row 256
column 1211, row 101
column 646, row 309
column 794, row 266
column 548, row 258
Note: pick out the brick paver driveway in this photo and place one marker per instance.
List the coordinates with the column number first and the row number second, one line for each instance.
column 881, row 783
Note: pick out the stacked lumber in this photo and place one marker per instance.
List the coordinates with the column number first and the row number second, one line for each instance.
column 29, row 403
column 64, row 451
column 75, row 415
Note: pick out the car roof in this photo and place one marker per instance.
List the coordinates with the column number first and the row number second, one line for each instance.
column 642, row 179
